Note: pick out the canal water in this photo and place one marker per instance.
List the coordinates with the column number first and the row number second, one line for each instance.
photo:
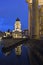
column 12, row 59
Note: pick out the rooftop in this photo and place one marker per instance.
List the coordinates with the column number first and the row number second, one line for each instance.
column 17, row 19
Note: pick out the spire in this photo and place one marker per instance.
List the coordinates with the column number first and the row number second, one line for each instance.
column 17, row 19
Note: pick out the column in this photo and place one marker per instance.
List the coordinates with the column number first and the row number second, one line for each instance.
column 30, row 19
column 35, row 20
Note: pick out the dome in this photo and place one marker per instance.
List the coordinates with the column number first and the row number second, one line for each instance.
column 18, row 22
column 18, row 25
column 17, row 19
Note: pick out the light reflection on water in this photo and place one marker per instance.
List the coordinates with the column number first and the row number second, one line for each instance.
column 12, row 59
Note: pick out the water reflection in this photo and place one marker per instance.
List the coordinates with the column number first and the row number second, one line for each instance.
column 12, row 59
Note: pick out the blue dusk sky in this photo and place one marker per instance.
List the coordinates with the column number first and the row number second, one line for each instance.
column 10, row 10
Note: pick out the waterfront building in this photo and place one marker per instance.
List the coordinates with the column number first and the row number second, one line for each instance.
column 17, row 33
column 34, row 21
column 17, row 25
column 30, row 17
column 25, row 33
column 8, row 33
column 1, row 35
column 41, row 21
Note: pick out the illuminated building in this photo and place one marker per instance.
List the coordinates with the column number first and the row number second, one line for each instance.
column 17, row 25
column 17, row 33
column 35, row 20
column 41, row 21
column 29, row 17
column 34, row 24
column 1, row 34
column 25, row 33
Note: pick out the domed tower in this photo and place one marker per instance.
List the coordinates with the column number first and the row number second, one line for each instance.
column 17, row 25
column 17, row 32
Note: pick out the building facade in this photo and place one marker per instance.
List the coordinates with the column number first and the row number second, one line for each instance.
column 35, row 18
column 41, row 21
column 25, row 33
column 17, row 33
